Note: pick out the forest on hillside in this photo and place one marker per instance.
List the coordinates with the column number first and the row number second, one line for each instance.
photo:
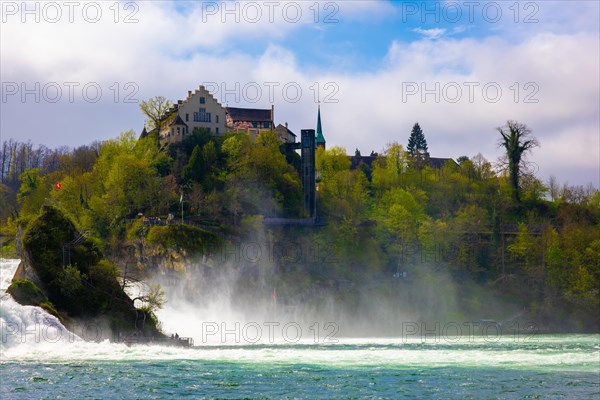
column 494, row 224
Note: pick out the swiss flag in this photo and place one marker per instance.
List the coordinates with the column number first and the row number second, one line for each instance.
column 57, row 185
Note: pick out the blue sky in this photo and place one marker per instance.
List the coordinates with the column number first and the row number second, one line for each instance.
column 377, row 66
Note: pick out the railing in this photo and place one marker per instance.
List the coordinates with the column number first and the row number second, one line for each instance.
column 163, row 341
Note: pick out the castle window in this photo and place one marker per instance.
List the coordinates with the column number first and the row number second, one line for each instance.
column 207, row 117
column 217, row 119
column 187, row 117
column 266, row 125
column 202, row 100
column 177, row 131
column 255, row 124
column 217, row 131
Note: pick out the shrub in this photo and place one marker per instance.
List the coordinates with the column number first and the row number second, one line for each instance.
column 26, row 292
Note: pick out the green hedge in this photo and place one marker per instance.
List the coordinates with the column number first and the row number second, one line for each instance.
column 188, row 238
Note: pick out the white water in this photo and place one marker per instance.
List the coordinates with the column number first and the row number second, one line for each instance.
column 26, row 326
column 29, row 333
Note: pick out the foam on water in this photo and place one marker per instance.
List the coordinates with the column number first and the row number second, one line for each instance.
column 29, row 334
column 26, row 326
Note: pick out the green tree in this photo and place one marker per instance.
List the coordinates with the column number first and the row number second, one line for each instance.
column 516, row 140
column 258, row 178
column 70, row 282
column 193, row 170
column 387, row 168
column 155, row 110
column 331, row 161
column 32, row 193
column 417, row 147
column 153, row 300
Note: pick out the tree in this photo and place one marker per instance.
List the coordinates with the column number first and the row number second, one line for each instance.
column 193, row 170
column 388, row 168
column 417, row 147
column 553, row 188
column 516, row 141
column 483, row 168
column 155, row 110
column 153, row 300
column 33, row 192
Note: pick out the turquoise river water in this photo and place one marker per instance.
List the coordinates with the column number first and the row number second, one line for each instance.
column 39, row 359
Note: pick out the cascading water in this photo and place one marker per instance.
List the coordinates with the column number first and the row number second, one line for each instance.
column 35, row 364
column 25, row 325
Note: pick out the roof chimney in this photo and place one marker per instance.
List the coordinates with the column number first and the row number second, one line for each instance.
column 286, row 125
column 189, row 93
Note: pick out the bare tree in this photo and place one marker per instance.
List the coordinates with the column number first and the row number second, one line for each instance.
column 554, row 188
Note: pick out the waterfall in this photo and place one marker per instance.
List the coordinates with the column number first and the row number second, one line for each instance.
column 26, row 325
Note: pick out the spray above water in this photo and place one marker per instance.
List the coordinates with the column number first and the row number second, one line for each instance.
column 242, row 295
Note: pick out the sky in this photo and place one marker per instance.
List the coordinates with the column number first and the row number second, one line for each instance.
column 75, row 72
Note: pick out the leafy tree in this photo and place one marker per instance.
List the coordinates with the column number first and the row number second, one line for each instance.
column 330, row 161
column 516, row 140
column 8, row 203
column 194, row 169
column 400, row 212
column 70, row 282
column 417, row 147
column 462, row 159
column 33, row 192
column 153, row 300
column 388, row 168
column 155, row 110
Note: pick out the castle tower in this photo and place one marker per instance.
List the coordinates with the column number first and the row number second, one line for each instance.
column 307, row 172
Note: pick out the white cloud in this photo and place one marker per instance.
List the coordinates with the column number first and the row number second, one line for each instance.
column 433, row 33
column 170, row 51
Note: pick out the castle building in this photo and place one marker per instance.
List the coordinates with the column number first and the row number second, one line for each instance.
column 250, row 120
column 201, row 110
column 284, row 134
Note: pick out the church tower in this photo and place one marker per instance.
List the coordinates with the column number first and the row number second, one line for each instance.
column 320, row 141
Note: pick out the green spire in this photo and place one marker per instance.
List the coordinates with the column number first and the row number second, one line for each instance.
column 320, row 137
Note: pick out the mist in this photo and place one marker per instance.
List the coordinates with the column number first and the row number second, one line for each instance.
column 264, row 291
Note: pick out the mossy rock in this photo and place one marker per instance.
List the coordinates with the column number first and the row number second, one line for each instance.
column 26, row 293
column 45, row 238
column 50, row 309
column 86, row 287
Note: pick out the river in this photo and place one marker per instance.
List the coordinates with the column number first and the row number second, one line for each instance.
column 40, row 359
